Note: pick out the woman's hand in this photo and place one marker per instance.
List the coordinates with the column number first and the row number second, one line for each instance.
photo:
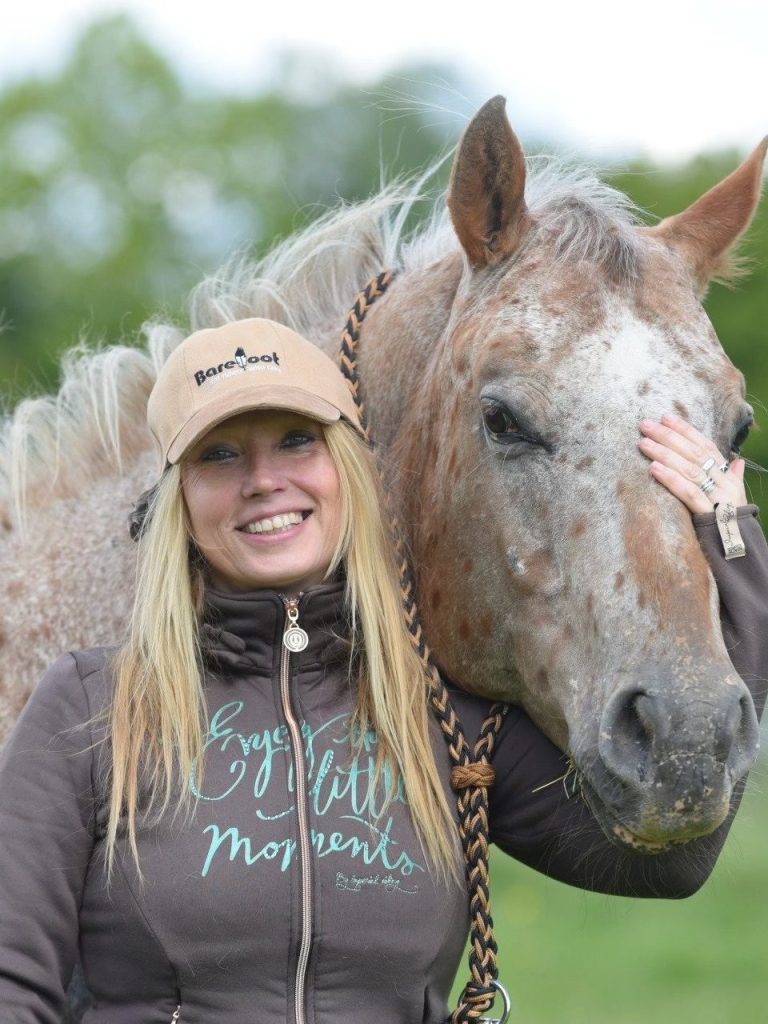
column 679, row 453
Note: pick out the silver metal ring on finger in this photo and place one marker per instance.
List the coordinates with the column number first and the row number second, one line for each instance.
column 708, row 485
column 725, row 466
column 709, row 464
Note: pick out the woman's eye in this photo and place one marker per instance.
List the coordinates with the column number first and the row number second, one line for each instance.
column 218, row 455
column 298, row 438
column 499, row 420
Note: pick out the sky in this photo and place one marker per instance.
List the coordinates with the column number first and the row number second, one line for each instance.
column 667, row 79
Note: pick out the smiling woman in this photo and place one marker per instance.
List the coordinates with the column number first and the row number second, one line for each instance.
column 264, row 503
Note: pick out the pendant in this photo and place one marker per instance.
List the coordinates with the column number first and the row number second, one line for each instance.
column 295, row 639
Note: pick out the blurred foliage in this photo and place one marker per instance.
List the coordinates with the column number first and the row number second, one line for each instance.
column 123, row 185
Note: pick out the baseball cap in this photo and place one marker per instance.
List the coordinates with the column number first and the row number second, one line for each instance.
column 246, row 364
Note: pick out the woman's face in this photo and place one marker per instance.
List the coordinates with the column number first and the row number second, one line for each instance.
column 264, row 501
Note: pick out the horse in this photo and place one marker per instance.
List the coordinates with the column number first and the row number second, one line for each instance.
column 534, row 320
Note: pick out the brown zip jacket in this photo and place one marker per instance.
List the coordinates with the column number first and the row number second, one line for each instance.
column 278, row 900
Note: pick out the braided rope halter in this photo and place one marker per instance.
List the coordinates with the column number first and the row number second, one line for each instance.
column 472, row 773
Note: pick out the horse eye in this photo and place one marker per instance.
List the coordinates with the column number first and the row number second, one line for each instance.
column 499, row 420
column 742, row 433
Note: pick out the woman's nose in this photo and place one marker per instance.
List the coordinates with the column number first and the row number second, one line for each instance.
column 262, row 475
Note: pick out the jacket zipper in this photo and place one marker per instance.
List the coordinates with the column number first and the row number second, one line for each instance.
column 176, row 1014
column 295, row 639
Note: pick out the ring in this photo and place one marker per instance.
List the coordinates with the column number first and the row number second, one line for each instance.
column 708, row 485
column 709, row 464
column 725, row 466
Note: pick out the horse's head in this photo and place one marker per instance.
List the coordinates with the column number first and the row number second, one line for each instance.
column 576, row 584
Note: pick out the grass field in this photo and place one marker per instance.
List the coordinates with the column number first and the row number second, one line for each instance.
column 570, row 957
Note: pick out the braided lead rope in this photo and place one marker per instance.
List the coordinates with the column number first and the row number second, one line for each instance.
column 472, row 774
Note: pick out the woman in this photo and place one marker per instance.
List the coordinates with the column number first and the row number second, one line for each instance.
column 244, row 812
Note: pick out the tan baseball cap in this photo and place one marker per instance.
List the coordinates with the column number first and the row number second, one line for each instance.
column 247, row 364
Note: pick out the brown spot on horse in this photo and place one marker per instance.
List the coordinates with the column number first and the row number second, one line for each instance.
column 651, row 565
column 579, row 528
column 681, row 409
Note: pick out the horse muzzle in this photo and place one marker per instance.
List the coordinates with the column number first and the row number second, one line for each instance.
column 668, row 757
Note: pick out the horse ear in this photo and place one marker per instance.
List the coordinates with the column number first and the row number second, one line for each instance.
column 487, row 186
column 707, row 232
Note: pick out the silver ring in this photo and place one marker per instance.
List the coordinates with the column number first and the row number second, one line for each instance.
column 709, row 464
column 708, row 485
column 725, row 466
column 507, row 1005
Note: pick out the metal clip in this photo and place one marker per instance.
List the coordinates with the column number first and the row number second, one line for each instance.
column 507, row 1006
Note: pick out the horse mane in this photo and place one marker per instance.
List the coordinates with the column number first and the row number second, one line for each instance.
column 53, row 446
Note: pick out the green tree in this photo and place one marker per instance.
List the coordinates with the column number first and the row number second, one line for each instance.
column 122, row 186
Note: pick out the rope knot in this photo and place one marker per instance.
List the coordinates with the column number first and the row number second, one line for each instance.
column 476, row 773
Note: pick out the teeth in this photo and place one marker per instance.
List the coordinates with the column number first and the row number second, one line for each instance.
column 275, row 523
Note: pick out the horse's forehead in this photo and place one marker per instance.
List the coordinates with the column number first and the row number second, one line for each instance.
column 577, row 324
column 648, row 367
column 552, row 302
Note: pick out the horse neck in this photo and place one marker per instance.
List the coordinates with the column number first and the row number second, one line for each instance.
column 401, row 334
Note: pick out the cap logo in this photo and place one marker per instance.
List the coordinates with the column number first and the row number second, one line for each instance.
column 238, row 364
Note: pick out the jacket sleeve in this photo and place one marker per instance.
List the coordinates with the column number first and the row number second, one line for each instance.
column 742, row 584
column 46, row 838
column 536, row 812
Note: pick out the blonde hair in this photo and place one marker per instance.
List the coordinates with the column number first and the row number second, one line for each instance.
column 157, row 722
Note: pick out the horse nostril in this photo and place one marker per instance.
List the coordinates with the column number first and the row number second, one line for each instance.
column 737, row 743
column 728, row 729
column 653, row 718
column 644, row 736
column 631, row 725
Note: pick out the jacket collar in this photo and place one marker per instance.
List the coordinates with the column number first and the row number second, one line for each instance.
column 242, row 633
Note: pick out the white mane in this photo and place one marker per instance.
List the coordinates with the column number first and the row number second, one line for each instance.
column 53, row 446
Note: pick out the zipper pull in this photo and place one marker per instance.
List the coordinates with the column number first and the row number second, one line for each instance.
column 295, row 638
column 176, row 1014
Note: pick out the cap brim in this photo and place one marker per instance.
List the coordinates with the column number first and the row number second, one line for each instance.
column 233, row 403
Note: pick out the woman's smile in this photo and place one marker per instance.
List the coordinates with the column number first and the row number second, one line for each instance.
column 277, row 525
